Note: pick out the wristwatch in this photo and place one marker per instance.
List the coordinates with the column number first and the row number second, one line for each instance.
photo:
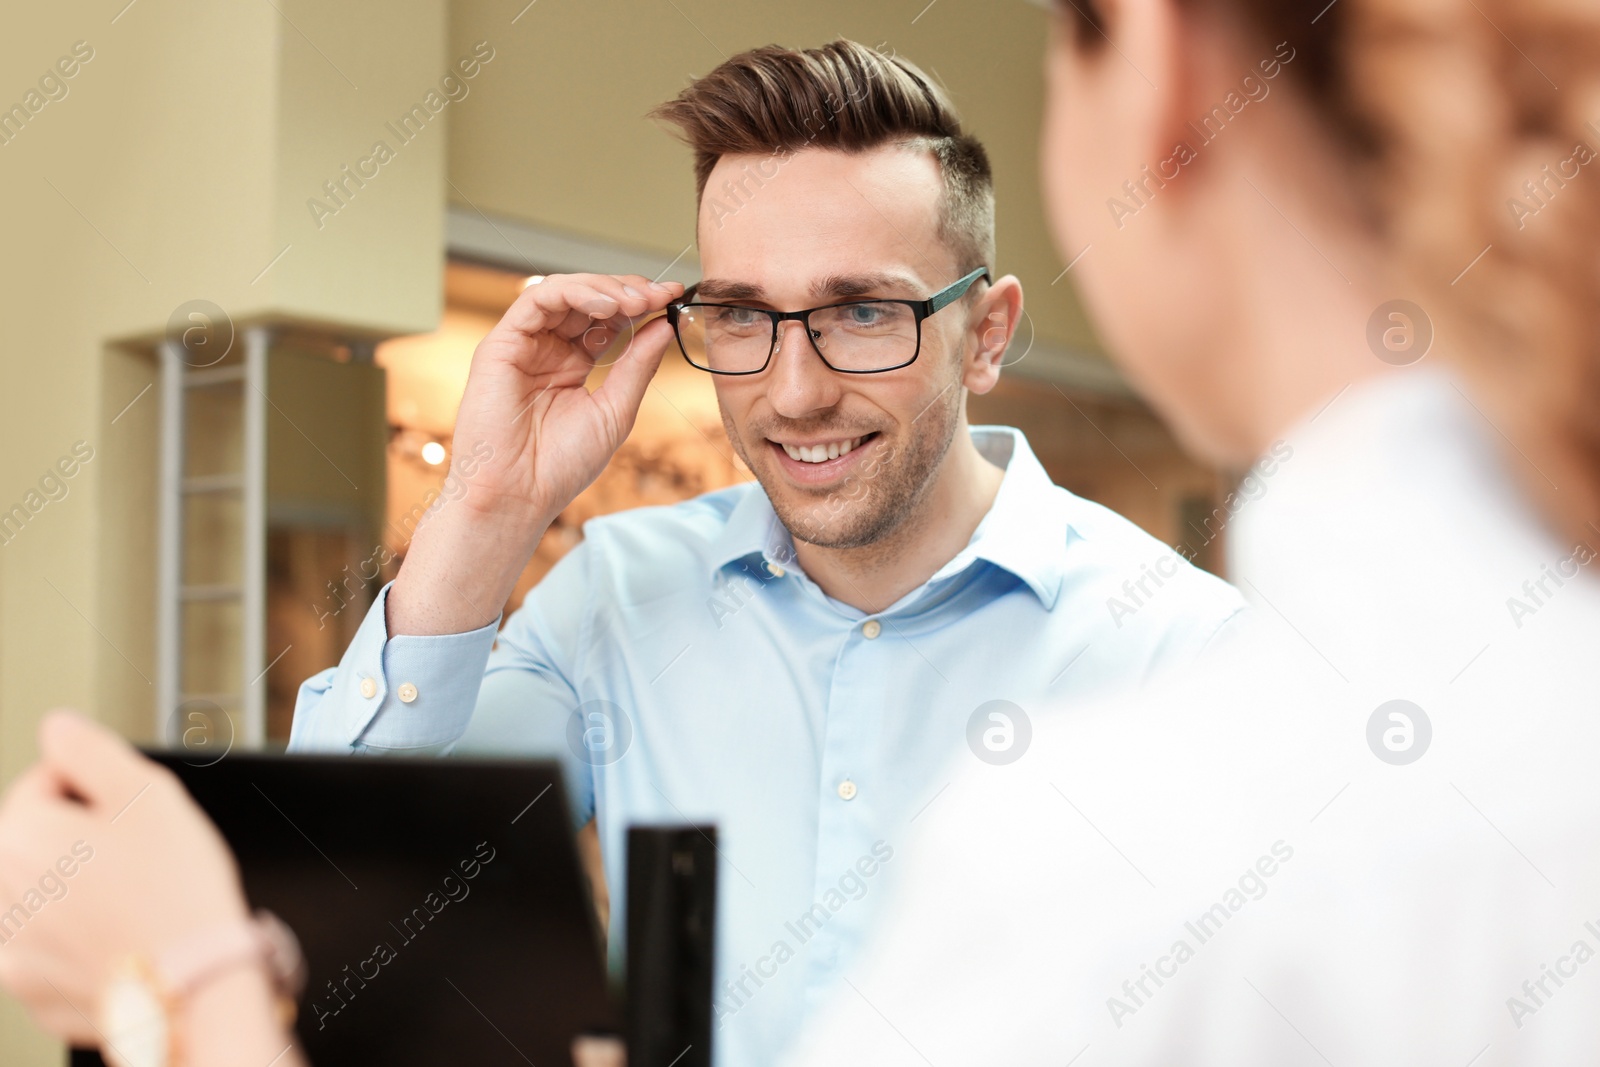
column 143, row 998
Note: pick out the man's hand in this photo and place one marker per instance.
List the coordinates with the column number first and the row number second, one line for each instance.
column 538, row 438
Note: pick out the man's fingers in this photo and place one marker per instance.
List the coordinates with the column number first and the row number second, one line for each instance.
column 602, row 333
column 93, row 762
column 630, row 287
column 628, row 379
column 568, row 304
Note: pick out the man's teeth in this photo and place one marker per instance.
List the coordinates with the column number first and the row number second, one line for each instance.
column 821, row 453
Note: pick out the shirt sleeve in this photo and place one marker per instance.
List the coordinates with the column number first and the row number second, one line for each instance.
column 475, row 693
column 400, row 693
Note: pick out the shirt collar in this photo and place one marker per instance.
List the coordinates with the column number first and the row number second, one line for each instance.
column 1024, row 533
column 1027, row 527
column 752, row 528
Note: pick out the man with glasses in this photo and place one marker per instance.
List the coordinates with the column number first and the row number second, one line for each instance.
column 800, row 659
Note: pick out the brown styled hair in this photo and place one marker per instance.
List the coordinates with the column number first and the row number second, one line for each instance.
column 1457, row 138
column 850, row 98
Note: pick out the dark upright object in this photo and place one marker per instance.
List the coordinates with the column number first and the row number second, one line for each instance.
column 440, row 903
column 672, row 907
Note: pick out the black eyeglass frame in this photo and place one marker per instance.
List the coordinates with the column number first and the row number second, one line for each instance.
column 921, row 309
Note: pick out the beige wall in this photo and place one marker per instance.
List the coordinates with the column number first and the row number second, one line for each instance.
column 176, row 167
column 556, row 132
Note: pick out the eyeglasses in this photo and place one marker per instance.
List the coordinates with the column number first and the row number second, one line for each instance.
column 855, row 337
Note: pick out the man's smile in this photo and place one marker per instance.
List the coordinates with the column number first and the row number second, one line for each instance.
column 820, row 460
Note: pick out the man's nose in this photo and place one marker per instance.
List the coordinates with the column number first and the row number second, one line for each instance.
column 801, row 384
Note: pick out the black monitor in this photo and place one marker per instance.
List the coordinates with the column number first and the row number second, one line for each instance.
column 440, row 904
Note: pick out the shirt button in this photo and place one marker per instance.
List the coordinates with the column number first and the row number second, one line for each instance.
column 777, row 571
column 871, row 629
column 847, row 790
column 369, row 688
column 407, row 692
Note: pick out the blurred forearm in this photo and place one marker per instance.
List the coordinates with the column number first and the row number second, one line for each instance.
column 232, row 1021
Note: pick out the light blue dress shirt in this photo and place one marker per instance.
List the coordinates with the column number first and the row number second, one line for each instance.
column 685, row 669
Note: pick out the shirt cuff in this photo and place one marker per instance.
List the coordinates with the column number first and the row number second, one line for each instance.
column 406, row 692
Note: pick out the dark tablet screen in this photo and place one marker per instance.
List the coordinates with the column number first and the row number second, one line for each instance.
column 439, row 903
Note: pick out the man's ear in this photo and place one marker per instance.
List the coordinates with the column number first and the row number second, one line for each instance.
column 990, row 326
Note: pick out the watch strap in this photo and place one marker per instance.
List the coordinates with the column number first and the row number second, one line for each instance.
column 262, row 938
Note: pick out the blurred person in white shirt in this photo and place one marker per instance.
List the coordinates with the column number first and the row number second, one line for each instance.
column 1351, row 249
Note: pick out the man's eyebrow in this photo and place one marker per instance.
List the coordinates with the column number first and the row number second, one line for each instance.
column 723, row 289
column 853, row 285
column 845, row 286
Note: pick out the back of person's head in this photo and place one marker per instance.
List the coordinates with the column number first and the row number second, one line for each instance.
column 1471, row 134
column 846, row 97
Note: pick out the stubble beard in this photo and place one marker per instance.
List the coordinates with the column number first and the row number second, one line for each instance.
column 879, row 499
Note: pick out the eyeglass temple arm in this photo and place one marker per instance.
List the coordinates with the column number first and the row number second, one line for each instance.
column 943, row 298
column 953, row 292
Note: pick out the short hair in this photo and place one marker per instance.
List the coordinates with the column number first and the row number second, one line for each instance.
column 850, row 98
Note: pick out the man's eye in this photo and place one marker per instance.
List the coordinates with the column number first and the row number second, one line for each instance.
column 864, row 314
column 739, row 316
column 874, row 317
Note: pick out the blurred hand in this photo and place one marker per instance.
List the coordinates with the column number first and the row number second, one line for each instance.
column 599, row 1052
column 146, row 869
column 538, row 438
